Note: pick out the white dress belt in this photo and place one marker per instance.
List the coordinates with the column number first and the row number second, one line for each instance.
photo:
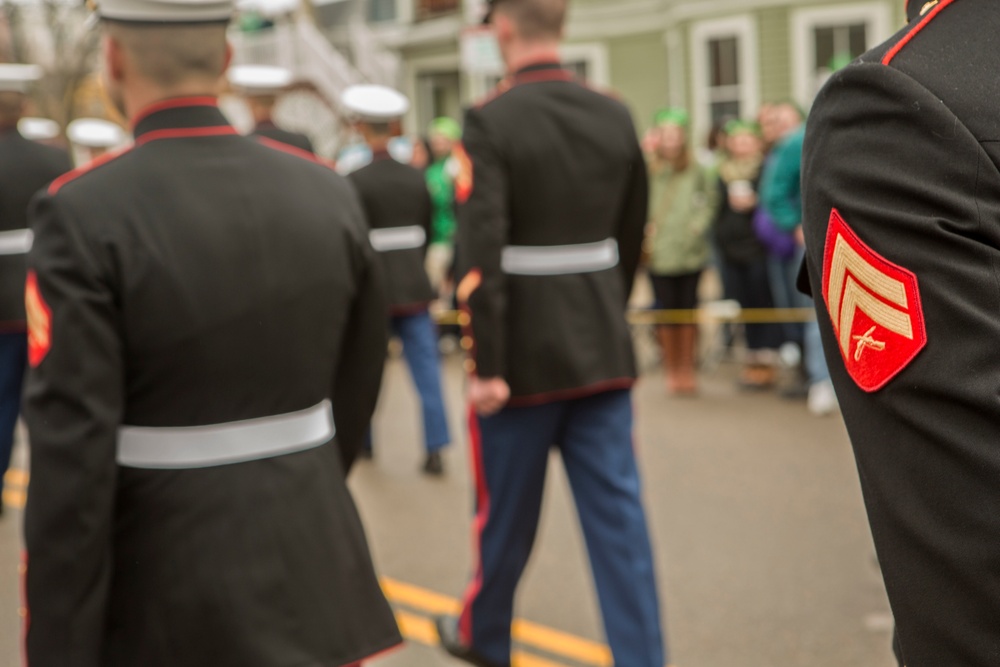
column 16, row 242
column 398, row 238
column 187, row 447
column 559, row 260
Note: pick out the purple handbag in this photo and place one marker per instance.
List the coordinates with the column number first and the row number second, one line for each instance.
column 780, row 244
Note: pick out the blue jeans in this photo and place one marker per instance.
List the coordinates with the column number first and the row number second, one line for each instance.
column 511, row 453
column 13, row 362
column 419, row 335
column 784, row 275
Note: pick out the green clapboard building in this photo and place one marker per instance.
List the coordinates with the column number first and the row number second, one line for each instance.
column 717, row 58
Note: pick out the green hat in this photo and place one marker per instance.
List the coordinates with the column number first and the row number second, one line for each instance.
column 742, row 127
column 446, row 127
column 672, row 116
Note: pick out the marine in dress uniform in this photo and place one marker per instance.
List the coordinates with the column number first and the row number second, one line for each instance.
column 549, row 242
column 262, row 86
column 25, row 168
column 207, row 334
column 901, row 181
column 397, row 205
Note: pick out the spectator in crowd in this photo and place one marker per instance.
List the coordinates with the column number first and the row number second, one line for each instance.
column 781, row 194
column 742, row 257
column 444, row 137
column 785, row 253
column 683, row 202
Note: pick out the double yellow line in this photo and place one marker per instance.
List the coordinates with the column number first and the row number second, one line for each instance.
column 416, row 609
column 542, row 646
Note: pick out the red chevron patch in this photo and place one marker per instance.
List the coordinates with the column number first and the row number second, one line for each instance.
column 875, row 308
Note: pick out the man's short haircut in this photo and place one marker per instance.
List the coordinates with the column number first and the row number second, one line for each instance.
column 11, row 108
column 379, row 128
column 536, row 19
column 172, row 53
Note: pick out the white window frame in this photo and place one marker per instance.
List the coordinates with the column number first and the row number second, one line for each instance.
column 595, row 55
column 877, row 16
column 744, row 28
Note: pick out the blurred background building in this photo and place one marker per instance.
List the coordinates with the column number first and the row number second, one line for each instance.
column 717, row 58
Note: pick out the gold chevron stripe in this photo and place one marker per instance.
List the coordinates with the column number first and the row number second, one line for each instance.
column 857, row 298
column 853, row 286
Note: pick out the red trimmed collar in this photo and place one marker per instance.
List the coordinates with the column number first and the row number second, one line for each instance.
column 542, row 71
column 174, row 103
column 181, row 117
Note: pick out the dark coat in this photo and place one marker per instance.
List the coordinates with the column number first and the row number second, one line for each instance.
column 269, row 130
column 200, row 278
column 393, row 196
column 553, row 163
column 902, row 157
column 25, row 168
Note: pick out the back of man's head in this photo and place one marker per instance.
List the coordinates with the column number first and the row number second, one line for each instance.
column 535, row 20
column 170, row 55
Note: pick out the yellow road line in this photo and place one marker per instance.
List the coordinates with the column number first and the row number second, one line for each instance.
column 17, row 477
column 561, row 643
column 525, row 632
column 14, row 498
column 419, row 598
column 421, row 630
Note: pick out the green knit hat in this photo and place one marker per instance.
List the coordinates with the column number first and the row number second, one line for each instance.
column 446, row 127
column 742, row 127
column 672, row 116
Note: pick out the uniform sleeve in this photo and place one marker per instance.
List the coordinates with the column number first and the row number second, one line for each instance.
column 483, row 232
column 634, row 215
column 73, row 408
column 917, row 188
column 362, row 355
column 782, row 191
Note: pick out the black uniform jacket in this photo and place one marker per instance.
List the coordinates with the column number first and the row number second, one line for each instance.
column 902, row 220
column 199, row 278
column 269, row 130
column 25, row 168
column 395, row 196
column 553, row 163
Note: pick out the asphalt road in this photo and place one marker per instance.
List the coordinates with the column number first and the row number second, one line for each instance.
column 763, row 551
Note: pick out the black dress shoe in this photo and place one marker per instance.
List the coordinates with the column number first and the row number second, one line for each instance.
column 434, row 465
column 447, row 628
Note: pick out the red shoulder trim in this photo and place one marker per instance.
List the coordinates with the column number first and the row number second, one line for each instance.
column 913, row 33
column 90, row 166
column 182, row 133
column 502, row 87
column 292, row 150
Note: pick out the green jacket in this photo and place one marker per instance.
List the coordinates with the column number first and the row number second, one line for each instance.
column 682, row 206
column 441, row 183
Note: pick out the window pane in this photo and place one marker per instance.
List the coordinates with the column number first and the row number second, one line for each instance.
column 381, row 10
column 579, row 68
column 722, row 111
column 825, row 49
column 858, row 39
column 429, row 8
column 723, row 62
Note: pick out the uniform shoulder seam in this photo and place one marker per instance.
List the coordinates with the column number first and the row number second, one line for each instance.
column 292, row 150
column 73, row 175
column 924, row 22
